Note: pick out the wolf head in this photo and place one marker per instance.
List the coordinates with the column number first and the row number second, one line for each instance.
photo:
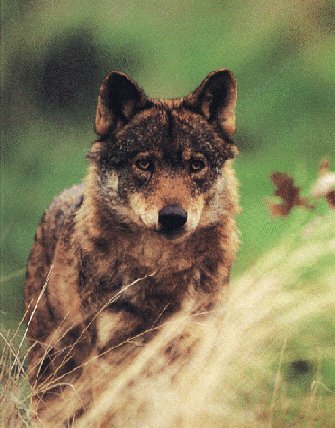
column 164, row 165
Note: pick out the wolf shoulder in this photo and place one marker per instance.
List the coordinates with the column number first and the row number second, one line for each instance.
column 57, row 223
column 59, row 217
column 55, row 230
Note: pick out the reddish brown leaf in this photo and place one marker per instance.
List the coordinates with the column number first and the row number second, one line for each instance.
column 330, row 196
column 289, row 194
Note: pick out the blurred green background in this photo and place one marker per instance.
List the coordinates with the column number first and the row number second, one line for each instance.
column 55, row 54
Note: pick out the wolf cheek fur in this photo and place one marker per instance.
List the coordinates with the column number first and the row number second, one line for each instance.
column 150, row 232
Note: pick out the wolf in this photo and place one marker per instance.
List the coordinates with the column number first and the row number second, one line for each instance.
column 150, row 232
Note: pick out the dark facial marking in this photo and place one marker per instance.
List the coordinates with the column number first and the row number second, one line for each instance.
column 170, row 125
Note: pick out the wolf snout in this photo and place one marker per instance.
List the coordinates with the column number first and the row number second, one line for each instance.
column 172, row 218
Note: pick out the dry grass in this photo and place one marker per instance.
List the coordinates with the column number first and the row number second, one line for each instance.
column 265, row 359
column 14, row 388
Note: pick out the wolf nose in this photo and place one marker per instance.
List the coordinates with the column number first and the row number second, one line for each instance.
column 171, row 218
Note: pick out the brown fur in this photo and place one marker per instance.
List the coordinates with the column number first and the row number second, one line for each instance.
column 101, row 271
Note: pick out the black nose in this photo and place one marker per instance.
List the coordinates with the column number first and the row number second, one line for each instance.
column 171, row 218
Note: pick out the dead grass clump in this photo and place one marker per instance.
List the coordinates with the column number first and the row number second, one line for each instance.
column 14, row 388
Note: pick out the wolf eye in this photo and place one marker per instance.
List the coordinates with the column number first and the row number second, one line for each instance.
column 197, row 165
column 144, row 164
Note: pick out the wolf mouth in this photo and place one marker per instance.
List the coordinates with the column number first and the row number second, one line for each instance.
column 171, row 234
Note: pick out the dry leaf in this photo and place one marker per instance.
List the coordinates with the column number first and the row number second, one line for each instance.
column 289, row 193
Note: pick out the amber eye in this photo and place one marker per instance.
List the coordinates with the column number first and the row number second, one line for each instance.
column 197, row 165
column 144, row 164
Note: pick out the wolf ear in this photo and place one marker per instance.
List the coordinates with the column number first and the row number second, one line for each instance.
column 119, row 99
column 215, row 98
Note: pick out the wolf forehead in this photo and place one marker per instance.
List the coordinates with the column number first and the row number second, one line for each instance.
column 168, row 134
column 128, row 122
